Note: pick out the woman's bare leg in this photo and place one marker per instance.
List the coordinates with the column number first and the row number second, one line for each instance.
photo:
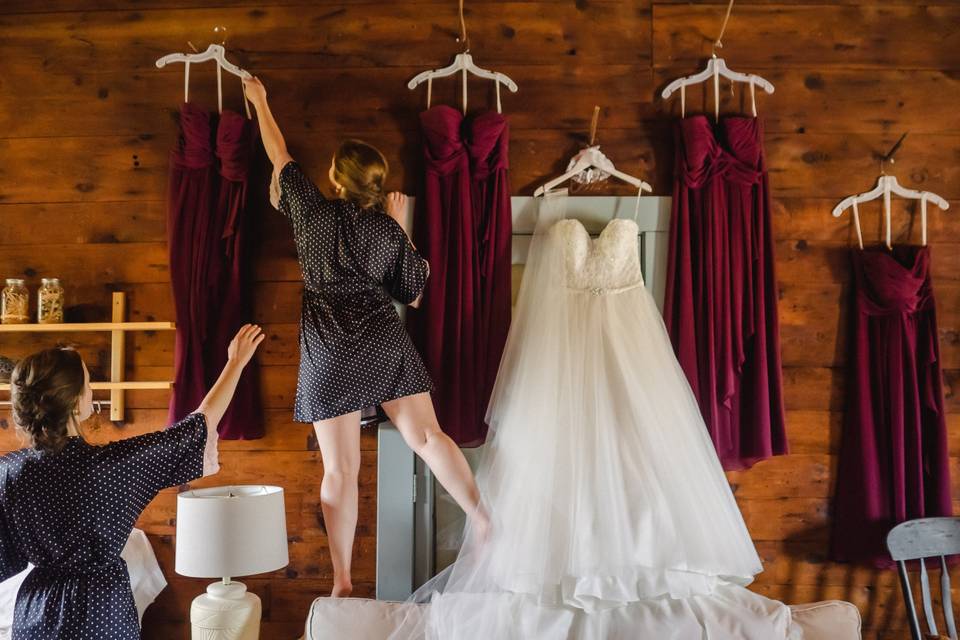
column 417, row 422
column 339, row 440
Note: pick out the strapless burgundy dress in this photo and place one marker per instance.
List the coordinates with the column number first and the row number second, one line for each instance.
column 463, row 228
column 894, row 463
column 721, row 291
column 208, row 235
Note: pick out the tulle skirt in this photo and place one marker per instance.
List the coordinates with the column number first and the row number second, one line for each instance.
column 612, row 516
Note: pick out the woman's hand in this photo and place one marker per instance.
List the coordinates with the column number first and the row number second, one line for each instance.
column 256, row 92
column 397, row 206
column 239, row 353
column 245, row 344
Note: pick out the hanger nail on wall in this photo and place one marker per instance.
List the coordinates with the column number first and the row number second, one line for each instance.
column 593, row 124
column 889, row 157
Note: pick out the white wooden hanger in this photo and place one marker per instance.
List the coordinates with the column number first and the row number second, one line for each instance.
column 463, row 62
column 717, row 67
column 214, row 52
column 886, row 186
column 592, row 158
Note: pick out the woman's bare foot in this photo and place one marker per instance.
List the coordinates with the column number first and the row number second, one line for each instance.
column 341, row 588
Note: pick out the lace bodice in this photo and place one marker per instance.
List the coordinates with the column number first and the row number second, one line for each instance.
column 608, row 264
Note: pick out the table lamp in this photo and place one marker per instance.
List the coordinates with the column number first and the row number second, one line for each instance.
column 225, row 532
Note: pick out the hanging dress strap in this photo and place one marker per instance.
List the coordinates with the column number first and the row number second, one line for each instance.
column 683, row 100
column 186, row 81
column 429, row 90
column 753, row 97
column 856, row 223
column 923, row 217
column 499, row 107
column 219, row 89
column 887, row 214
column 246, row 103
column 716, row 93
column 636, row 208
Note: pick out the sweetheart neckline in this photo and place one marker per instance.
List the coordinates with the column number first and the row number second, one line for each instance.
column 583, row 228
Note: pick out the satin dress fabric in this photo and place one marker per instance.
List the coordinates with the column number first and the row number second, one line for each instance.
column 894, row 463
column 721, row 290
column 208, row 226
column 70, row 514
column 354, row 350
column 463, row 227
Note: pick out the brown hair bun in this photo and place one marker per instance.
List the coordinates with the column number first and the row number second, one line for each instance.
column 44, row 390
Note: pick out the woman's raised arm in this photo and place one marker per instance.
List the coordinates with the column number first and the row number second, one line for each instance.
column 273, row 140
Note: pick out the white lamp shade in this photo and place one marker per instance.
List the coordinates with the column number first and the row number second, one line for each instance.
column 226, row 532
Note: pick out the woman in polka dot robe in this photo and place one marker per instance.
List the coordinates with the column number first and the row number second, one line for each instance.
column 354, row 350
column 68, row 507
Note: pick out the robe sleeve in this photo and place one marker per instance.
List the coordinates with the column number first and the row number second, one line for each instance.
column 12, row 561
column 294, row 194
column 408, row 270
column 153, row 461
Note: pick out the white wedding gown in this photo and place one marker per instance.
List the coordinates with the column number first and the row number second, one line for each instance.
column 612, row 517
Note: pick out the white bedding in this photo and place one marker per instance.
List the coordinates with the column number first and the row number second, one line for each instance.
column 146, row 580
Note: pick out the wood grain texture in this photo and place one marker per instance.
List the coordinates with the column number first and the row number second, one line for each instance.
column 330, row 36
column 87, row 123
column 763, row 36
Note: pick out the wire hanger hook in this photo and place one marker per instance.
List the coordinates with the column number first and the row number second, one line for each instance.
column 223, row 34
column 718, row 43
column 463, row 38
column 889, row 156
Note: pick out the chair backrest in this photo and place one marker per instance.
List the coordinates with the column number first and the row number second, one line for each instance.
column 918, row 540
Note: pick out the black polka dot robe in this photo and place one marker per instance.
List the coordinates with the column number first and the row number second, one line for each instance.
column 70, row 513
column 354, row 349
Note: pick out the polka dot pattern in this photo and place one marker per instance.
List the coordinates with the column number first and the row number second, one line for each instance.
column 70, row 514
column 354, row 349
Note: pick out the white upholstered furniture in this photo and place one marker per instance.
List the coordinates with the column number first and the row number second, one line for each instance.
column 361, row 619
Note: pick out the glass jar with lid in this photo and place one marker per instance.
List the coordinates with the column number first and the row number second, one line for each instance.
column 14, row 302
column 50, row 301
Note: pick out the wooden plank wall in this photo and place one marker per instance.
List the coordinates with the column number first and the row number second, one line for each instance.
column 86, row 125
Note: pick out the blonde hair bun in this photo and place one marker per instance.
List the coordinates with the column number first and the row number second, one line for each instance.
column 361, row 169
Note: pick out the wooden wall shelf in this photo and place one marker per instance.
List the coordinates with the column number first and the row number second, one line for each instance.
column 117, row 328
column 72, row 327
column 113, row 386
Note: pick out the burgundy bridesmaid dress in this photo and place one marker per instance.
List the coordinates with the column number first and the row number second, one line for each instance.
column 894, row 462
column 721, row 291
column 463, row 228
column 209, row 266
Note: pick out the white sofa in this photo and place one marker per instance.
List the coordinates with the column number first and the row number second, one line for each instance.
column 360, row 619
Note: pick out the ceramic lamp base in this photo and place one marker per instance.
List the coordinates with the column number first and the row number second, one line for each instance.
column 227, row 611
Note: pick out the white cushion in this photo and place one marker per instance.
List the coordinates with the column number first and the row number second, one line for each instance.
column 828, row 620
column 356, row 618
column 361, row 619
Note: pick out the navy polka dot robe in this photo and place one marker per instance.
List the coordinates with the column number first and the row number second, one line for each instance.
column 354, row 349
column 70, row 514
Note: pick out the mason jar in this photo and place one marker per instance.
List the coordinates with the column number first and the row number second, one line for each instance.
column 50, row 301
column 14, row 302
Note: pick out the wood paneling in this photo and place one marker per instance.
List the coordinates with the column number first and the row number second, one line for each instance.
column 120, row 103
column 87, row 122
column 861, row 35
column 331, row 36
